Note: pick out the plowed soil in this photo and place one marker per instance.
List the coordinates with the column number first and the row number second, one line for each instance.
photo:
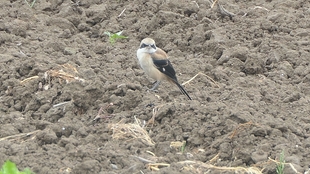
column 65, row 89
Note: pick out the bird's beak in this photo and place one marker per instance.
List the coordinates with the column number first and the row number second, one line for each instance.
column 149, row 47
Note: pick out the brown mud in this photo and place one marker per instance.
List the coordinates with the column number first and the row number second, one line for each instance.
column 58, row 69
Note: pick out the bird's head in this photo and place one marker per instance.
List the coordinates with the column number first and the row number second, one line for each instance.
column 148, row 45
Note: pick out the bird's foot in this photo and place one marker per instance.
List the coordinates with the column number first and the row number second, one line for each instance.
column 155, row 86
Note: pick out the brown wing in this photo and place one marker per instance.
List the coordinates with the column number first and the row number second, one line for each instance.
column 159, row 54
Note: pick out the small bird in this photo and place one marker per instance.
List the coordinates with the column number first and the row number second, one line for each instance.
column 154, row 61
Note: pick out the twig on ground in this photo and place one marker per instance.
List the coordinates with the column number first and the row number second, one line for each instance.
column 242, row 127
column 196, row 3
column 121, row 13
column 214, row 158
column 213, row 3
column 223, row 11
column 60, row 104
column 261, row 8
column 200, row 73
column 143, row 159
column 28, row 79
column 150, row 153
column 156, row 166
column 155, row 110
column 152, row 120
column 100, row 115
column 197, row 165
column 19, row 135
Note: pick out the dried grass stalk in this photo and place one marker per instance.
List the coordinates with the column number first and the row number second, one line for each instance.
column 19, row 136
column 198, row 166
column 65, row 72
column 131, row 132
column 28, row 79
column 242, row 127
column 200, row 73
column 157, row 166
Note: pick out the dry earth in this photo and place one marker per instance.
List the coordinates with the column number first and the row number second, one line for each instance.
column 58, row 69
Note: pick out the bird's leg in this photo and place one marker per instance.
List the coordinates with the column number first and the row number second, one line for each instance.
column 154, row 82
column 155, row 86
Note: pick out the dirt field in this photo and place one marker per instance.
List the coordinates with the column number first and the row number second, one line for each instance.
column 58, row 69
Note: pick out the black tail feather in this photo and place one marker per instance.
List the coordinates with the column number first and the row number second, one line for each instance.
column 183, row 90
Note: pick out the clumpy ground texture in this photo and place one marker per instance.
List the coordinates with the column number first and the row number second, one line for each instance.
column 72, row 102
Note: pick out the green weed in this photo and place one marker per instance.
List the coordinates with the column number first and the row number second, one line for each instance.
column 10, row 168
column 183, row 147
column 32, row 3
column 115, row 36
column 280, row 165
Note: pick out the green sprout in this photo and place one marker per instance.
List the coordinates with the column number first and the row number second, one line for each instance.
column 32, row 3
column 10, row 168
column 183, row 147
column 280, row 165
column 115, row 36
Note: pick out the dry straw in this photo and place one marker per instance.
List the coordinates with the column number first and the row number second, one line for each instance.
column 65, row 72
column 131, row 131
column 21, row 136
column 242, row 127
column 196, row 166
column 202, row 74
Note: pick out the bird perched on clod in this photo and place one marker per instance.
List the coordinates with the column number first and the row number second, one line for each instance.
column 154, row 61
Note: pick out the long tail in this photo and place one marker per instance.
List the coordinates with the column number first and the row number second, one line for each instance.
column 183, row 90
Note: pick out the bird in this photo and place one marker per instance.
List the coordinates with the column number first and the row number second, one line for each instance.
column 155, row 63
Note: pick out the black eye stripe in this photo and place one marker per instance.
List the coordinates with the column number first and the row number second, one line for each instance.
column 146, row 45
column 143, row 45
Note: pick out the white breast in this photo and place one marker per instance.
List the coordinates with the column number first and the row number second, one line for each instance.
column 145, row 60
column 147, row 64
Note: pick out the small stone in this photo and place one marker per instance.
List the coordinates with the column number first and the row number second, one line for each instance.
column 69, row 51
column 287, row 67
column 113, row 166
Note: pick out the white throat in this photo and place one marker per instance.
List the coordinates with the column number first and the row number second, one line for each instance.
column 142, row 51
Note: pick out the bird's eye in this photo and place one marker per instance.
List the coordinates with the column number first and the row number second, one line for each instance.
column 153, row 46
column 143, row 45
